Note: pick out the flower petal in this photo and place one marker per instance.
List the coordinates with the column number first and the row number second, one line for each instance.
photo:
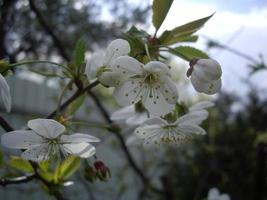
column 196, row 117
column 20, row 139
column 47, row 128
column 129, row 92
column 192, row 129
column 37, row 153
column 78, row 138
column 93, row 64
column 201, row 105
column 127, row 66
column 157, row 67
column 83, row 150
column 110, row 78
column 137, row 119
column 213, row 194
column 123, row 113
column 5, row 93
column 156, row 103
column 169, row 91
column 116, row 48
column 206, row 87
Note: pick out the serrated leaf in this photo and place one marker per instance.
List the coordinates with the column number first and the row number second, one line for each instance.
column 20, row 164
column 80, row 49
column 174, row 40
column 184, row 30
column 68, row 167
column 160, row 11
column 188, row 53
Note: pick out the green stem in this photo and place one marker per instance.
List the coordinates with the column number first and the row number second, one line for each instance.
column 31, row 62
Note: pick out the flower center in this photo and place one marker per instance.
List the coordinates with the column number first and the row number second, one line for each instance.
column 151, row 79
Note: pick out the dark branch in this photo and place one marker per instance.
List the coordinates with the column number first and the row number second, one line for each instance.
column 17, row 180
column 49, row 31
column 5, row 125
column 75, row 96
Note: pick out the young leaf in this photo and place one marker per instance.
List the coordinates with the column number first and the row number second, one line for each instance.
column 74, row 106
column 184, row 30
column 188, row 53
column 174, row 40
column 160, row 10
column 68, row 167
column 80, row 49
column 20, row 164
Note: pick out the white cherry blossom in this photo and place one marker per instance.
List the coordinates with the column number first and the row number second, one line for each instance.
column 5, row 93
column 151, row 84
column 158, row 131
column 46, row 138
column 205, row 75
column 130, row 115
column 214, row 194
column 103, row 60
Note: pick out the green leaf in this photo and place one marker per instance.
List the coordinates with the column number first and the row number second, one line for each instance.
column 79, row 51
column 160, row 11
column 20, row 164
column 184, row 30
column 174, row 40
column 68, row 167
column 74, row 106
column 188, row 53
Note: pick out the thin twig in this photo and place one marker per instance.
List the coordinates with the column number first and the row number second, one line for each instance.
column 5, row 125
column 17, row 180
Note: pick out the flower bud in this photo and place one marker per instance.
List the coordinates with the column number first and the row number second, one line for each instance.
column 102, row 171
column 205, row 75
column 90, row 173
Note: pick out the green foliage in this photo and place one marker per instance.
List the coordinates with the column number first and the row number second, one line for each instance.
column 20, row 164
column 160, row 11
column 80, row 49
column 182, row 31
column 68, row 167
column 75, row 105
column 188, row 53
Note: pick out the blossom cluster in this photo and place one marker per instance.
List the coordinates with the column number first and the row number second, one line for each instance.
column 147, row 92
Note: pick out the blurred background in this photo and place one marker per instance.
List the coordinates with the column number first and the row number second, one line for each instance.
column 232, row 156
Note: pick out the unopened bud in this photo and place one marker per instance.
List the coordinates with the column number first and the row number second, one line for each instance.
column 102, row 171
column 90, row 173
column 205, row 75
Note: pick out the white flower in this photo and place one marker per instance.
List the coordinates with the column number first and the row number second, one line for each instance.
column 131, row 115
column 205, row 75
column 150, row 83
column 115, row 49
column 5, row 93
column 214, row 194
column 46, row 138
column 157, row 131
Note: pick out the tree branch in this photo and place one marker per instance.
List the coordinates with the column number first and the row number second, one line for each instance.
column 49, row 31
column 17, row 180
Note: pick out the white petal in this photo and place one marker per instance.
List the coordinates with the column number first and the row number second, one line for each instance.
column 20, row 139
column 129, row 92
column 110, row 78
column 5, row 93
column 206, row 87
column 47, row 128
column 213, row 194
column 156, row 103
column 93, row 64
column 133, row 140
column 207, row 70
column 127, row 66
column 169, row 90
column 158, row 67
column 78, row 138
column 201, row 105
column 196, row 117
column 137, row 119
column 192, row 129
column 225, row 197
column 116, row 48
column 83, row 150
column 123, row 113
column 156, row 120
column 37, row 153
